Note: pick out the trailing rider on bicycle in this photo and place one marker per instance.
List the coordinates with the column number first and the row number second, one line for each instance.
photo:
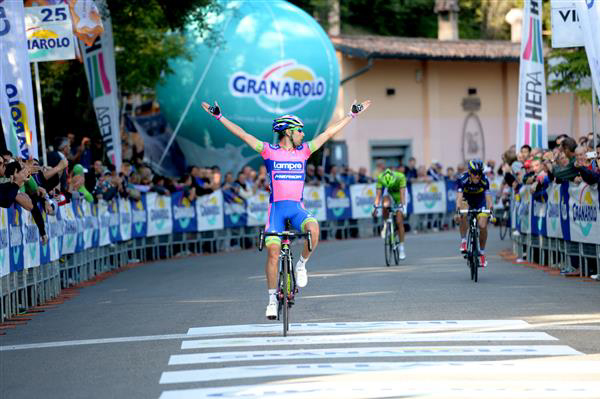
column 286, row 166
column 473, row 193
column 395, row 182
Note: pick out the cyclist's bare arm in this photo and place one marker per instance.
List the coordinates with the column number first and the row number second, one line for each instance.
column 488, row 201
column 459, row 200
column 335, row 128
column 378, row 196
column 403, row 196
column 247, row 138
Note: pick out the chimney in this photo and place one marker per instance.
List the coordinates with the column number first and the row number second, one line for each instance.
column 515, row 19
column 447, row 11
column 333, row 18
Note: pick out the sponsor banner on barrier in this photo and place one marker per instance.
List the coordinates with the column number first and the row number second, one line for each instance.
column 409, row 200
column 524, row 212
column 495, row 184
column 257, row 207
column 314, row 201
column 103, row 224
column 538, row 218
column 451, row 186
column 160, row 220
column 15, row 233
column 139, row 217
column 31, row 241
column 565, row 212
column 584, row 207
column 234, row 210
column 114, row 230
column 90, row 225
column 429, row 197
column 553, row 227
column 69, row 236
column 49, row 33
column 4, row 241
column 80, row 219
column 125, row 219
column 55, row 234
column 184, row 214
column 363, row 198
column 209, row 209
column 338, row 203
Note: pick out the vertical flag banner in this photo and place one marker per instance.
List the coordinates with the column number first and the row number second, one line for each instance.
column 99, row 65
column 532, row 113
column 87, row 21
column 16, row 95
column 589, row 20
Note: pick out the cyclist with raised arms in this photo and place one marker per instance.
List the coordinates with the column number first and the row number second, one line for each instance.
column 473, row 193
column 395, row 182
column 286, row 167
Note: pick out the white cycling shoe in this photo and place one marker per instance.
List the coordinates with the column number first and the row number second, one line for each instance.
column 301, row 275
column 272, row 309
column 402, row 254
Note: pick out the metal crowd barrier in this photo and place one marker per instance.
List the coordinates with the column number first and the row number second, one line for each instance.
column 557, row 253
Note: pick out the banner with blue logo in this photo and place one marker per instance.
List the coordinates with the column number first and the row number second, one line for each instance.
column 114, row 228
column 184, row 214
column 524, row 214
column 31, row 241
column 234, row 210
column 103, row 224
column 553, row 228
column 451, row 186
column 125, row 219
column 4, row 243
column 429, row 197
column 583, row 205
column 80, row 220
column 565, row 216
column 409, row 199
column 139, row 217
column 209, row 210
column 313, row 198
column 69, row 236
column 362, row 197
column 15, row 231
column 538, row 218
column 257, row 207
column 160, row 220
column 338, row 203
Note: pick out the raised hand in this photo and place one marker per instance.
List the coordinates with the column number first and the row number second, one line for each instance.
column 213, row 110
column 358, row 108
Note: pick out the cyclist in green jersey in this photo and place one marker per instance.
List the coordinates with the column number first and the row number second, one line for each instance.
column 395, row 182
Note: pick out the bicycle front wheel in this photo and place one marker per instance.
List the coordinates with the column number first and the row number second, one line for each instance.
column 388, row 245
column 286, row 294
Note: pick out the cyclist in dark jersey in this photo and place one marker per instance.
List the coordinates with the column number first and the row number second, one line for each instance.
column 473, row 193
column 286, row 165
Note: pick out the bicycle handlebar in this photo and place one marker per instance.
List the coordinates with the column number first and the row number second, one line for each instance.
column 284, row 234
column 471, row 211
column 393, row 208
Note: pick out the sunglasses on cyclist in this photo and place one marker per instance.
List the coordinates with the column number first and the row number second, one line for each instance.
column 296, row 129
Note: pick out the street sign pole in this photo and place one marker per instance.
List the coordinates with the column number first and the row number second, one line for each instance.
column 40, row 111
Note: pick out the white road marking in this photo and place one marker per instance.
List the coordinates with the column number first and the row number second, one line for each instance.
column 358, row 326
column 386, row 389
column 57, row 344
column 394, row 370
column 366, row 338
column 407, row 351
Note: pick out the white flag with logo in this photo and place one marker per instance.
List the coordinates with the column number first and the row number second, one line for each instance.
column 99, row 64
column 589, row 15
column 532, row 112
column 16, row 96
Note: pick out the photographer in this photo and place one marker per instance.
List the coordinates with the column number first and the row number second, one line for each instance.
column 585, row 166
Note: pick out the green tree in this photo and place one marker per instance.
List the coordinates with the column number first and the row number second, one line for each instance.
column 569, row 67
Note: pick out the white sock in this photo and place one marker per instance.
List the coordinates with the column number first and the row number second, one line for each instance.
column 401, row 245
column 463, row 240
column 301, row 263
column 272, row 294
column 482, row 251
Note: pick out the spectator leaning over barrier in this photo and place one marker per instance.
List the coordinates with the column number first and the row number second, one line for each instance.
column 566, row 171
column 10, row 183
column 241, row 186
column 435, row 171
column 587, row 172
column 411, row 170
column 62, row 152
column 287, row 160
column 362, row 177
column 450, row 175
column 77, row 182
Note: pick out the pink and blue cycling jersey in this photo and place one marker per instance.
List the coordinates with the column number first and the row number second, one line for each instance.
column 286, row 170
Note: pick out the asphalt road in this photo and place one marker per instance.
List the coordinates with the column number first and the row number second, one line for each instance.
column 422, row 328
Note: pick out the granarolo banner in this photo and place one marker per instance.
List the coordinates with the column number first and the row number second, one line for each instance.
column 532, row 113
column 16, row 96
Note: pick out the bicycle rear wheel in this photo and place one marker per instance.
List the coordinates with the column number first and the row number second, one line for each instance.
column 503, row 224
column 475, row 256
column 388, row 246
column 286, row 292
column 471, row 267
column 396, row 247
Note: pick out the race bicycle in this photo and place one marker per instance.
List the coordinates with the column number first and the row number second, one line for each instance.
column 473, row 250
column 504, row 218
column 391, row 240
column 286, row 286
